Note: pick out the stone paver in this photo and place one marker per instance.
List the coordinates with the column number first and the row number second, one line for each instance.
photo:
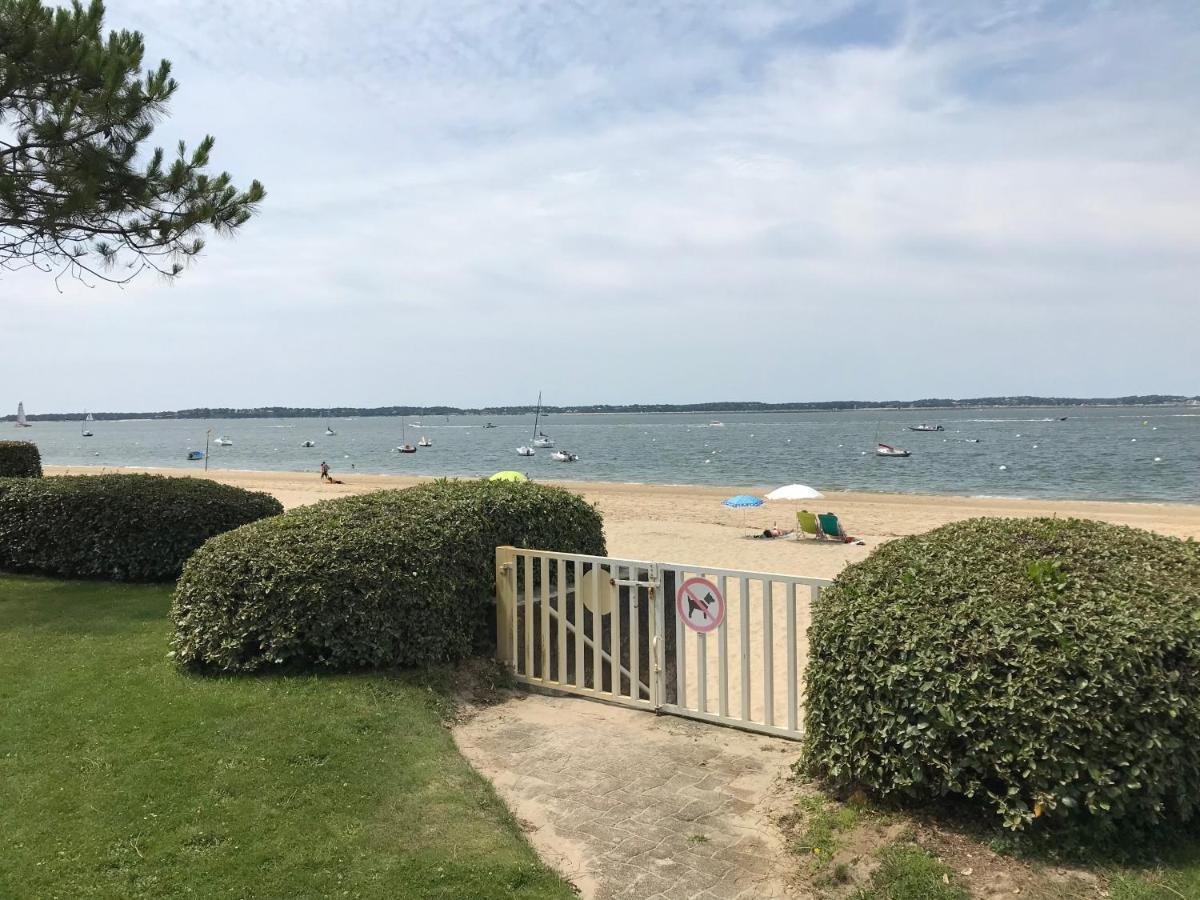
column 627, row 804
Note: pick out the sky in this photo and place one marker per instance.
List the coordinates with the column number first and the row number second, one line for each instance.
column 656, row 201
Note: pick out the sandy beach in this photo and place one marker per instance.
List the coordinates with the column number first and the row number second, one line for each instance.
column 688, row 524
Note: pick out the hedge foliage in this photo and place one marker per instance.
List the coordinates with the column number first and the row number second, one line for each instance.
column 20, row 459
column 393, row 578
column 1042, row 667
column 118, row 527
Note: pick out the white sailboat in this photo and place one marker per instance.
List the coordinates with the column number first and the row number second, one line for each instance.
column 223, row 441
column 21, row 423
column 84, row 431
column 526, row 449
column 424, row 442
column 329, row 432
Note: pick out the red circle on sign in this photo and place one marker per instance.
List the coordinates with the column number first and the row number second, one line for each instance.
column 700, row 604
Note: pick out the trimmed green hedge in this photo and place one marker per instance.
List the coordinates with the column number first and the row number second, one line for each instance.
column 1041, row 667
column 394, row 578
column 118, row 527
column 20, row 459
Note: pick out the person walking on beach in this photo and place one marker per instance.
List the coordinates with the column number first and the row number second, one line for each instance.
column 324, row 470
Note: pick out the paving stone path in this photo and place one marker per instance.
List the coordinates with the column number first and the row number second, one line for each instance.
column 632, row 805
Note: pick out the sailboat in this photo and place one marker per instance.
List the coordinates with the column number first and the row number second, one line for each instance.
column 329, row 432
column 223, row 441
column 424, row 442
column 84, row 431
column 526, row 450
column 405, row 446
column 21, row 423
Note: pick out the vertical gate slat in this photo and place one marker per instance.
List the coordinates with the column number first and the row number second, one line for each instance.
column 527, row 568
column 597, row 632
column 702, row 672
column 614, row 635
column 635, row 632
column 578, row 604
column 561, row 668
column 723, row 655
column 744, row 632
column 791, row 656
column 680, row 649
column 768, row 652
column 545, row 641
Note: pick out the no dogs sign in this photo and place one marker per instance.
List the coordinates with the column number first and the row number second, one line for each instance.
column 700, row 604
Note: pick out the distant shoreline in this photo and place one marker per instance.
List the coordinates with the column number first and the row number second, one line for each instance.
column 724, row 407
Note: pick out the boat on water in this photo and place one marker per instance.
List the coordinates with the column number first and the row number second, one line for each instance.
column 195, row 454
column 424, row 442
column 329, row 432
column 888, row 450
column 405, row 446
column 716, row 424
column 223, row 442
column 537, row 437
column 308, row 444
column 21, row 423
column 564, row 456
column 543, row 440
column 84, row 431
column 924, row 427
column 489, row 425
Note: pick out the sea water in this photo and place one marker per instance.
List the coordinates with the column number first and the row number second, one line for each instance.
column 1121, row 453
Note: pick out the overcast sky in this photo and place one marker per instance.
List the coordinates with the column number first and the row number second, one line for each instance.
column 657, row 201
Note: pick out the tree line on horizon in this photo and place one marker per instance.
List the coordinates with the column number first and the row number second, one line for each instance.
column 300, row 412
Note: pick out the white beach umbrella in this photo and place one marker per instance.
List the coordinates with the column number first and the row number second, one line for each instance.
column 795, row 492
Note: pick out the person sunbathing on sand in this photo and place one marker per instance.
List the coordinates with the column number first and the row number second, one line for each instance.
column 774, row 533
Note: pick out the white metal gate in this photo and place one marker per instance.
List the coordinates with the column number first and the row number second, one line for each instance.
column 609, row 629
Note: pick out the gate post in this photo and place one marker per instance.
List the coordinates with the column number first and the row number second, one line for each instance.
column 506, row 605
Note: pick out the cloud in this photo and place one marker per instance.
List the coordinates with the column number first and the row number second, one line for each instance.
column 467, row 198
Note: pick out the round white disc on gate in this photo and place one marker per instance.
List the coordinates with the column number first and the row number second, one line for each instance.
column 700, row 604
column 598, row 598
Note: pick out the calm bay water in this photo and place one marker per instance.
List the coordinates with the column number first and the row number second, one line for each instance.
column 1098, row 454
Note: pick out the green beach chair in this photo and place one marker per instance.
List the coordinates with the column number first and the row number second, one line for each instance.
column 831, row 527
column 806, row 523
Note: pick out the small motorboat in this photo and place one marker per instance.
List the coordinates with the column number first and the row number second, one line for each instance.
column 489, row 425
column 223, row 442
column 525, row 451
column 195, row 454
column 564, row 456
column 716, row 424
column 86, row 434
column 924, row 427
column 888, row 450
column 308, row 444
column 424, row 442
column 543, row 440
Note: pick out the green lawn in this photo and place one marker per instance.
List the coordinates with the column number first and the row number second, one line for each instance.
column 122, row 777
